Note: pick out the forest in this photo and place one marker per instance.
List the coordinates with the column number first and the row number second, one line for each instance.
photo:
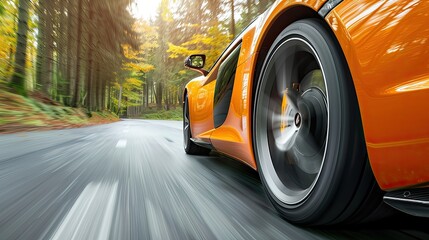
column 96, row 55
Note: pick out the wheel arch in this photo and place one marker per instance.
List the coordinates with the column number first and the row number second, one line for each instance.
column 185, row 92
column 285, row 18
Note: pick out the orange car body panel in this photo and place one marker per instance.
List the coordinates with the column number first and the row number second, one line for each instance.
column 386, row 46
column 201, row 97
column 234, row 136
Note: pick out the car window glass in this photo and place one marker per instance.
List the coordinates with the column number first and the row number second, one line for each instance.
column 224, row 86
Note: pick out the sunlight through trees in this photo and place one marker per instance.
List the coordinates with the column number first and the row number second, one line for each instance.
column 95, row 54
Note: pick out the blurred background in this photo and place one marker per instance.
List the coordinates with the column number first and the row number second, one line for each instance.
column 73, row 63
column 66, row 63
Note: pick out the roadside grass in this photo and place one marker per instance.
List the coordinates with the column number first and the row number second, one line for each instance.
column 173, row 114
column 18, row 113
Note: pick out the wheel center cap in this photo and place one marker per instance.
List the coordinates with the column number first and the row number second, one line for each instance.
column 298, row 120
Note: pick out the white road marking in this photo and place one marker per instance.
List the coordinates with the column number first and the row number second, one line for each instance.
column 108, row 215
column 91, row 215
column 121, row 143
column 126, row 131
column 158, row 227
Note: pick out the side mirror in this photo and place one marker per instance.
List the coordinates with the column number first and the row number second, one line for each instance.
column 196, row 62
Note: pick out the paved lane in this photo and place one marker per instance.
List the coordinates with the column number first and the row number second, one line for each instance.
column 132, row 180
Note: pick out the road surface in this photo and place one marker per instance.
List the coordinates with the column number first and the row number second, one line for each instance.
column 132, row 180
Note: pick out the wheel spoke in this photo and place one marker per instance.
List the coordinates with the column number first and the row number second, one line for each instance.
column 293, row 98
column 284, row 82
column 285, row 140
column 282, row 76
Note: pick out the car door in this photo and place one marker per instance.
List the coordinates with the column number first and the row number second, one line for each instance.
column 211, row 102
column 231, row 136
column 201, row 109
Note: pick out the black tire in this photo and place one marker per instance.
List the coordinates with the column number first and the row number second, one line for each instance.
column 189, row 146
column 311, row 152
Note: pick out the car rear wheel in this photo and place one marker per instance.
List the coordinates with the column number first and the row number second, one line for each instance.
column 307, row 131
column 189, row 146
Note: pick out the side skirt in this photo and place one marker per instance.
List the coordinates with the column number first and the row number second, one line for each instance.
column 413, row 201
column 202, row 144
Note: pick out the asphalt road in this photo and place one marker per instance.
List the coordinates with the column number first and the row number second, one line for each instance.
column 132, row 180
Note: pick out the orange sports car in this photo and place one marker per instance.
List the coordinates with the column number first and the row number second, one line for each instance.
column 329, row 102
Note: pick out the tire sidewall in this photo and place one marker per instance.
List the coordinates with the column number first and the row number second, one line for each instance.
column 187, row 142
column 326, row 187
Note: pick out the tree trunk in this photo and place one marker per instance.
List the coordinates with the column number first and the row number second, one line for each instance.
column 109, row 97
column 214, row 8
column 18, row 78
column 89, row 61
column 144, row 102
column 167, row 99
column 263, row 5
column 9, row 64
column 75, row 98
column 103, row 94
column 40, row 61
column 158, row 95
column 119, row 100
column 232, row 25
column 61, row 29
column 46, row 75
column 99, row 90
column 69, row 51
column 96, row 87
column 147, row 93
column 249, row 14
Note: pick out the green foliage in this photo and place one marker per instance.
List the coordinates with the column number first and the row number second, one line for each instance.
column 7, row 39
column 175, row 114
column 30, row 113
column 1, row 8
column 139, row 60
column 19, row 87
column 211, row 43
column 131, row 91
